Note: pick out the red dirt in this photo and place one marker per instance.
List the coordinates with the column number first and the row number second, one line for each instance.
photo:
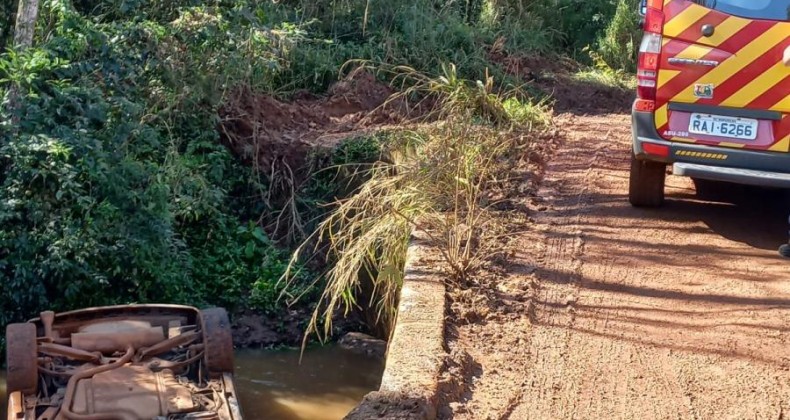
column 553, row 77
column 265, row 131
column 606, row 311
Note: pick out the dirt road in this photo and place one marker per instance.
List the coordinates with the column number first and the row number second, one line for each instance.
column 611, row 312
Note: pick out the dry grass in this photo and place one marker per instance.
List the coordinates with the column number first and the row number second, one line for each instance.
column 440, row 177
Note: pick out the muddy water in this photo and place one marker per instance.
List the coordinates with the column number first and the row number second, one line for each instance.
column 326, row 386
column 273, row 385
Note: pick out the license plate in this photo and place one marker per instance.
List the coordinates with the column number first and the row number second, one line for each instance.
column 721, row 126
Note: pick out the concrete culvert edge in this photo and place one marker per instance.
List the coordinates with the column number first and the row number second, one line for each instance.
column 409, row 386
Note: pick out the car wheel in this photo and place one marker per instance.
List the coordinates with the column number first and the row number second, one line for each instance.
column 21, row 358
column 784, row 250
column 646, row 187
column 218, row 341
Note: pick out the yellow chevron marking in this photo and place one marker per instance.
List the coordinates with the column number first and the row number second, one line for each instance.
column 682, row 140
column 783, row 105
column 684, row 20
column 665, row 76
column 666, row 2
column 701, row 155
column 724, row 31
column 733, row 145
column 661, row 116
column 737, row 62
column 757, row 86
column 782, row 145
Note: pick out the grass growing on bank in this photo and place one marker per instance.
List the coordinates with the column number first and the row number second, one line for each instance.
column 606, row 77
column 436, row 176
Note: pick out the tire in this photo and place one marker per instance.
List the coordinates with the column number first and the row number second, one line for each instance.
column 646, row 186
column 218, row 341
column 22, row 358
column 784, row 250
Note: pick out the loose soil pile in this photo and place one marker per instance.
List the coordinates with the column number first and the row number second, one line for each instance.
column 271, row 134
column 555, row 78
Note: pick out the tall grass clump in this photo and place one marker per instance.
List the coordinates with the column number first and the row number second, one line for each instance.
column 437, row 176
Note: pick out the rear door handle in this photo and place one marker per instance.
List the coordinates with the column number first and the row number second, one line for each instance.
column 691, row 61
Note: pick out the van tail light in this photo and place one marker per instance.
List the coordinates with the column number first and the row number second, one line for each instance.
column 656, row 149
column 647, row 67
column 645, row 105
column 650, row 51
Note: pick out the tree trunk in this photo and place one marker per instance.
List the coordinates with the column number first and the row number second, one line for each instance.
column 25, row 23
column 23, row 39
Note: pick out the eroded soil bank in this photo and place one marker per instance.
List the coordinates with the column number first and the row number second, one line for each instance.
column 606, row 311
column 266, row 131
column 278, row 139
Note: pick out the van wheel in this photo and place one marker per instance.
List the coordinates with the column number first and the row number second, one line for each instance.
column 217, row 341
column 22, row 358
column 646, row 188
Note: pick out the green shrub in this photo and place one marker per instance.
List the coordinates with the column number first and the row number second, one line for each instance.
column 115, row 188
column 156, row 10
column 7, row 13
column 238, row 267
column 617, row 46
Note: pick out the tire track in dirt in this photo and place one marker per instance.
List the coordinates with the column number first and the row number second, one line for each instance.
column 676, row 313
column 591, row 385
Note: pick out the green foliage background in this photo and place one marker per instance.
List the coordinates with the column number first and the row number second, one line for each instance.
column 115, row 188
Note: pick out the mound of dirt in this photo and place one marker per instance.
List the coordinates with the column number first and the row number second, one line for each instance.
column 554, row 78
column 580, row 97
column 271, row 134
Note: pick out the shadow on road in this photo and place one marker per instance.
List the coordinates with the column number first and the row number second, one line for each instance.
column 750, row 215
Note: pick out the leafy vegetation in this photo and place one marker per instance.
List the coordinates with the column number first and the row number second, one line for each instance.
column 116, row 189
column 436, row 178
column 619, row 42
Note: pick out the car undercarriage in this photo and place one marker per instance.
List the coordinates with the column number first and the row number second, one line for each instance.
column 122, row 363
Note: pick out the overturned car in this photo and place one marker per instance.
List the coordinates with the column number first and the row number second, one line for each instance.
column 122, row 363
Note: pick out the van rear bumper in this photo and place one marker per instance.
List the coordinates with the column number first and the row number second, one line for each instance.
column 770, row 169
column 738, row 176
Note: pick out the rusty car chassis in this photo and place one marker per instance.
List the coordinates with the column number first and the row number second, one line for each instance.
column 162, row 362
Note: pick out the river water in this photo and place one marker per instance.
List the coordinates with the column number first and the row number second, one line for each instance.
column 272, row 384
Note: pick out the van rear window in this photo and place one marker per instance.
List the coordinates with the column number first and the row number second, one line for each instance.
column 753, row 9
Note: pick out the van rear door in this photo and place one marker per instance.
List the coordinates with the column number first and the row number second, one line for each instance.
column 722, row 79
